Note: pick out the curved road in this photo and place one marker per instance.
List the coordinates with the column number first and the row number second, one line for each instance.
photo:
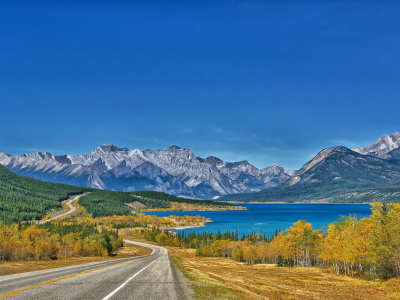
column 71, row 209
column 151, row 276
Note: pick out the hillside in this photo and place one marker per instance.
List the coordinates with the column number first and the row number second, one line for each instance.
column 101, row 203
column 23, row 198
column 336, row 174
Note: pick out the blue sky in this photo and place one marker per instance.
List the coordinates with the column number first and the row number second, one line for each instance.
column 273, row 82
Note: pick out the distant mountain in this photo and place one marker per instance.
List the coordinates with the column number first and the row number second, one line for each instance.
column 385, row 147
column 25, row 199
column 173, row 170
column 335, row 174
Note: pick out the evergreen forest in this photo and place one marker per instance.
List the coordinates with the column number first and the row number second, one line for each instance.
column 100, row 203
column 25, row 199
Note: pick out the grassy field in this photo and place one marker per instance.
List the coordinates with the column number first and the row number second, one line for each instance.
column 127, row 250
column 221, row 278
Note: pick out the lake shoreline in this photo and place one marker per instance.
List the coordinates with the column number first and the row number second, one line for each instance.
column 268, row 218
column 202, row 224
column 255, row 202
column 208, row 210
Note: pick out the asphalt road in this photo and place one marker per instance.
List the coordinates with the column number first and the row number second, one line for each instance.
column 71, row 209
column 152, row 276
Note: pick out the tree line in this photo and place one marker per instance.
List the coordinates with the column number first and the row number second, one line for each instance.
column 100, row 203
column 86, row 235
column 49, row 240
column 364, row 248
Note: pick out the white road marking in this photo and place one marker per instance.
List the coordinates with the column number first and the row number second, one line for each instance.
column 122, row 285
column 42, row 272
column 67, row 268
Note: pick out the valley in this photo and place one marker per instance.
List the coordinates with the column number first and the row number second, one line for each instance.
column 200, row 150
column 225, row 238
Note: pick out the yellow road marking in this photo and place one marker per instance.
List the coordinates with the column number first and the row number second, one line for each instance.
column 70, row 276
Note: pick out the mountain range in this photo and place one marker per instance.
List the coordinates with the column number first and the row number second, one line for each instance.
column 339, row 174
column 174, row 170
column 336, row 174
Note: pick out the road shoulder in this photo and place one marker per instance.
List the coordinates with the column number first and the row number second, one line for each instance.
column 183, row 286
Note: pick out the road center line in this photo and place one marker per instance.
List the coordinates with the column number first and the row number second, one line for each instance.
column 122, row 285
column 70, row 276
column 42, row 272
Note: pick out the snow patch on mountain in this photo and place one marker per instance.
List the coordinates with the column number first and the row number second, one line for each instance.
column 174, row 170
column 382, row 146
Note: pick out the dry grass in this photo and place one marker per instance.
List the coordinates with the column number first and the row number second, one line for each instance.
column 221, row 278
column 128, row 250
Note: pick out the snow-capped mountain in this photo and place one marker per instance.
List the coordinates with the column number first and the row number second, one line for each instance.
column 173, row 170
column 383, row 146
column 335, row 174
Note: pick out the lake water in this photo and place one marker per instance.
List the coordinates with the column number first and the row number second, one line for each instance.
column 269, row 217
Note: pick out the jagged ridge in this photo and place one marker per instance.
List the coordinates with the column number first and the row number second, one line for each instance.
column 172, row 170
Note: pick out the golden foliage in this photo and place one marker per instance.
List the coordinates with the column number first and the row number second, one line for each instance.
column 218, row 278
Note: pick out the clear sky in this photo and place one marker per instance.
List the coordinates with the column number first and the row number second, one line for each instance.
column 273, row 82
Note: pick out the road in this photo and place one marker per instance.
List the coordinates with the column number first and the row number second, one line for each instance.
column 71, row 209
column 151, row 276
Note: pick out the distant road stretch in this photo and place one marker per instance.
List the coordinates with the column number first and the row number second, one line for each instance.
column 147, row 277
column 71, row 209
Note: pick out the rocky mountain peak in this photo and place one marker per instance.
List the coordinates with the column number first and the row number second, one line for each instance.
column 135, row 152
column 335, row 174
column 174, row 170
column 321, row 156
column 39, row 155
column 275, row 169
column 111, row 148
column 382, row 146
column 271, row 167
column 212, row 160
column 4, row 156
column 174, row 148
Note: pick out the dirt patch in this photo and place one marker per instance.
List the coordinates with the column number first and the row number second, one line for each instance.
column 136, row 206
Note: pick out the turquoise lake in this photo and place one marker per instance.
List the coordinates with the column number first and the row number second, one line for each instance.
column 269, row 217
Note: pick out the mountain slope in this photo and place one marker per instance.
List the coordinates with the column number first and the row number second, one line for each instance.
column 395, row 153
column 173, row 170
column 335, row 174
column 23, row 199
